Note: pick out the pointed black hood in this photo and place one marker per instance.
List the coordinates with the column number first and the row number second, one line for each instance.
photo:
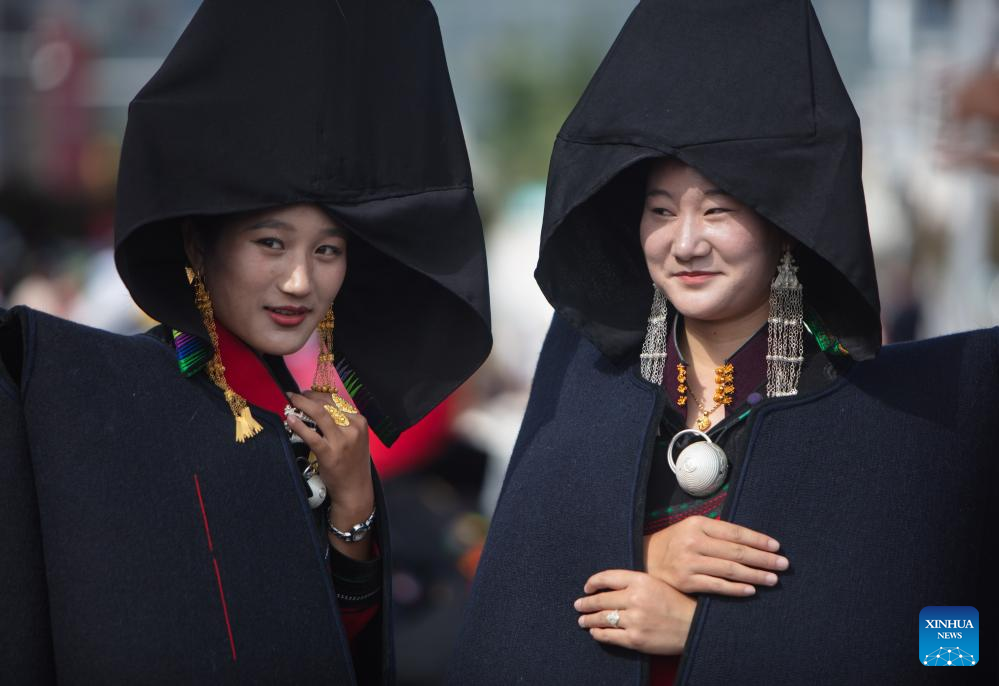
column 343, row 103
column 746, row 92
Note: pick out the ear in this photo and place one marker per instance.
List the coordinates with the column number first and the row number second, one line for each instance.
column 785, row 240
column 193, row 248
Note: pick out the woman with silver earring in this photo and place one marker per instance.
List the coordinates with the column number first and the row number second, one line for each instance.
column 719, row 472
column 176, row 510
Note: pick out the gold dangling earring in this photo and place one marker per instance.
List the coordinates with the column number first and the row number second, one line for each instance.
column 323, row 381
column 246, row 425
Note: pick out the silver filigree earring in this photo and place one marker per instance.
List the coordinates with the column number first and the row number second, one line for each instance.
column 785, row 351
column 654, row 347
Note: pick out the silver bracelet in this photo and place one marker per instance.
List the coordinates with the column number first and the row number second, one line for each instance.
column 356, row 533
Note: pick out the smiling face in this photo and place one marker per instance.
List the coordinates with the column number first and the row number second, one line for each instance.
column 272, row 274
column 712, row 256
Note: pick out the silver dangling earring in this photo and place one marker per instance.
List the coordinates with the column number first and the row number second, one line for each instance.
column 654, row 347
column 785, row 351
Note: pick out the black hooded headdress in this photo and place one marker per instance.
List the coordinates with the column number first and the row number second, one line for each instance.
column 342, row 103
column 746, row 92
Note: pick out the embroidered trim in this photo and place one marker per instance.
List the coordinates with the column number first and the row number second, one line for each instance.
column 826, row 341
column 193, row 353
column 378, row 420
column 661, row 518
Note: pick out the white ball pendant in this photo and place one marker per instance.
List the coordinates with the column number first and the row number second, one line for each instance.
column 317, row 491
column 702, row 467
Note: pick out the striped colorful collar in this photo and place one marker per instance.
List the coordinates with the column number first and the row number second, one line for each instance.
column 193, row 353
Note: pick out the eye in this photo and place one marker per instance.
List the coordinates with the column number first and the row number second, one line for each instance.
column 661, row 212
column 329, row 250
column 273, row 243
column 718, row 210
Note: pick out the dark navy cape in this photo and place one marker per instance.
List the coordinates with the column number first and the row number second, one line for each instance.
column 880, row 488
column 127, row 512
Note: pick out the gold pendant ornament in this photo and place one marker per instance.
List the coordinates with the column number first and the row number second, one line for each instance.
column 341, row 403
column 323, row 381
column 338, row 417
column 246, row 425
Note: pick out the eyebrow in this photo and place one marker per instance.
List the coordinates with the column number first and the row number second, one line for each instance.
column 661, row 191
column 272, row 223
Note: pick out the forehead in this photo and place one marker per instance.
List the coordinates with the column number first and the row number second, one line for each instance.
column 304, row 218
column 290, row 216
column 671, row 174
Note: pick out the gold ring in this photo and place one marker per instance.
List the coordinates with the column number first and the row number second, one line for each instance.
column 342, row 404
column 338, row 417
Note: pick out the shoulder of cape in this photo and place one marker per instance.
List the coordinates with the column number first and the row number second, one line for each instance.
column 567, row 352
column 977, row 348
column 941, row 370
column 570, row 371
column 29, row 338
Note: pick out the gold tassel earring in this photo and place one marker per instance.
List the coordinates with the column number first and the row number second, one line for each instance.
column 246, row 425
column 323, row 381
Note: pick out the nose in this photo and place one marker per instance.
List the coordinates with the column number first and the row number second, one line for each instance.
column 690, row 243
column 298, row 281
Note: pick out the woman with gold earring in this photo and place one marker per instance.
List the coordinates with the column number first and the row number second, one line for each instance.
column 175, row 509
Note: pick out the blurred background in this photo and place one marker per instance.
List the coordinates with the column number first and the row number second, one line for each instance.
column 923, row 75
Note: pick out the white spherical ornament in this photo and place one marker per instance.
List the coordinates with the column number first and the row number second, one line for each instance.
column 702, row 466
column 317, row 491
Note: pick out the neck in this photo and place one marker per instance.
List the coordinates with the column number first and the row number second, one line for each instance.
column 709, row 343
column 247, row 374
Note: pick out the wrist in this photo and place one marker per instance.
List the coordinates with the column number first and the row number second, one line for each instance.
column 350, row 526
column 351, row 503
column 345, row 516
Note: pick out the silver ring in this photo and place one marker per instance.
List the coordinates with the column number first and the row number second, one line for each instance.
column 613, row 617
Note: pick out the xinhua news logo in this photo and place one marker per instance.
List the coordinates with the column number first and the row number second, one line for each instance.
column 948, row 636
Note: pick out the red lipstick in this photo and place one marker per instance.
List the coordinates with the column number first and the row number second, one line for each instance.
column 287, row 316
column 695, row 277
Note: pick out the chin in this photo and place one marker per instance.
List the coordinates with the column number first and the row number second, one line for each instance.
column 278, row 345
column 694, row 307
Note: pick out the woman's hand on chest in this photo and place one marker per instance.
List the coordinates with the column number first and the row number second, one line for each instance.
column 634, row 610
column 703, row 555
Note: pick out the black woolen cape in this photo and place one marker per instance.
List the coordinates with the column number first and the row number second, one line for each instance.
column 127, row 514
column 880, row 489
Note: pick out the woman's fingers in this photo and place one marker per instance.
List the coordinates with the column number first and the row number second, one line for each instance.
column 312, row 439
column 647, row 615
column 614, row 637
column 603, row 619
column 704, row 583
column 738, row 558
column 727, row 531
column 611, row 600
column 614, row 579
column 686, row 554
column 314, row 409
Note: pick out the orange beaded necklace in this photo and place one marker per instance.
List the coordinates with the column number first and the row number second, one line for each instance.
column 724, row 391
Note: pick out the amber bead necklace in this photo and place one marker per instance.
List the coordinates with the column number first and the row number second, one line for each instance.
column 724, row 392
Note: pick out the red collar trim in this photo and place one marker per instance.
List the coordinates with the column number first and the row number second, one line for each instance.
column 247, row 374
